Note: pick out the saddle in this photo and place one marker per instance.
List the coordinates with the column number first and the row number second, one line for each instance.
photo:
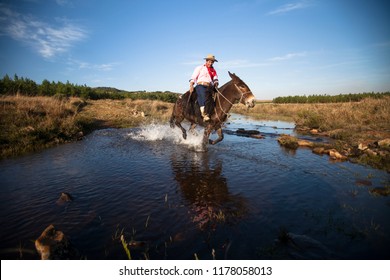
column 191, row 106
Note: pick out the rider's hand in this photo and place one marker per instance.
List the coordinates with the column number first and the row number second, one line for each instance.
column 216, row 85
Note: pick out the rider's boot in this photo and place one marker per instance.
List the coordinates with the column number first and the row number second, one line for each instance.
column 206, row 118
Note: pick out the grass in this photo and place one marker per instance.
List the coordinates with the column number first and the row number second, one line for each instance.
column 366, row 115
column 29, row 124
column 125, row 113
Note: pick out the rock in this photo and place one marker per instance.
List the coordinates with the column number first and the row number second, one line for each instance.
column 380, row 191
column 314, row 131
column 247, row 132
column 65, row 196
column 257, row 136
column 385, row 143
column 54, row 245
column 288, row 141
column 319, row 150
column 362, row 146
column 370, row 152
column 334, row 154
column 305, row 143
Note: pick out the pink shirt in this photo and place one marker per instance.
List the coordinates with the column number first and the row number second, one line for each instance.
column 201, row 74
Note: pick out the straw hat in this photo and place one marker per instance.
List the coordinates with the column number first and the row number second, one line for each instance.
column 210, row 57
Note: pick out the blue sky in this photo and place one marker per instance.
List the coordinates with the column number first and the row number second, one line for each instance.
column 278, row 48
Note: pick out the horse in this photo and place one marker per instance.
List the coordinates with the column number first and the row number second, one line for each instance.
column 227, row 95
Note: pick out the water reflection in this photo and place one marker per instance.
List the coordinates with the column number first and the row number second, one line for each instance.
column 205, row 189
column 288, row 151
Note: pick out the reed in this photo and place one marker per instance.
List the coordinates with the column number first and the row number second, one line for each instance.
column 125, row 247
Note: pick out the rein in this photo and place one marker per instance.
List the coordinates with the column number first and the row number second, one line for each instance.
column 219, row 101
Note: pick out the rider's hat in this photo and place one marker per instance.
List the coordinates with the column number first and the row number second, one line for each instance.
column 210, row 57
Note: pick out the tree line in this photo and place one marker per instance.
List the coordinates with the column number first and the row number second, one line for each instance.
column 26, row 86
column 351, row 97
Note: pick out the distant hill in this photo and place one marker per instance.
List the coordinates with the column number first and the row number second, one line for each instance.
column 108, row 89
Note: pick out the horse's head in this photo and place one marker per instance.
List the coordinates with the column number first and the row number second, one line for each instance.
column 246, row 96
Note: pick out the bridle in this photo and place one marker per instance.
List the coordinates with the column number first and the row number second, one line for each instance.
column 219, row 101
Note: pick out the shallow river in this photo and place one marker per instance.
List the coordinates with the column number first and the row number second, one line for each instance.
column 171, row 201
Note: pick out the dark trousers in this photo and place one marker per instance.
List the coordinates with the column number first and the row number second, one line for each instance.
column 202, row 92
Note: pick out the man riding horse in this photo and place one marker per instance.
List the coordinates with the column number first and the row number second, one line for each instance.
column 226, row 96
column 206, row 80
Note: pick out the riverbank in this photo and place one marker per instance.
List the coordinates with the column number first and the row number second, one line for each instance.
column 360, row 131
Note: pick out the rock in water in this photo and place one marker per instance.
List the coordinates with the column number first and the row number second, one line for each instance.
column 54, row 245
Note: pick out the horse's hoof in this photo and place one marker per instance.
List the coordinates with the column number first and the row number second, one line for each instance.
column 211, row 142
column 185, row 136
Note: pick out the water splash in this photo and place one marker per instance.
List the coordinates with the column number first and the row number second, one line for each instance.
column 162, row 132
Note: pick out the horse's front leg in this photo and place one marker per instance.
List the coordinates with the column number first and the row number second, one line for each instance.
column 206, row 136
column 219, row 139
column 192, row 129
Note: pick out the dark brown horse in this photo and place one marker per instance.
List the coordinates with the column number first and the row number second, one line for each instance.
column 227, row 95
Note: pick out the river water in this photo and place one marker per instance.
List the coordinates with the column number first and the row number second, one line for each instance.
column 244, row 198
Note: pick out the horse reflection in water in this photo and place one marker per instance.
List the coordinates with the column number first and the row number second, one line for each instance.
column 204, row 187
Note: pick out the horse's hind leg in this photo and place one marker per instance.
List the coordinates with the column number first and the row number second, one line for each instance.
column 178, row 124
column 173, row 117
column 182, row 130
column 177, row 118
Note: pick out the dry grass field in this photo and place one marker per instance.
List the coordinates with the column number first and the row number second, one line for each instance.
column 32, row 123
column 29, row 124
column 125, row 113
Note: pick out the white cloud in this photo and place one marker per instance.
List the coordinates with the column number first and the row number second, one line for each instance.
column 289, row 7
column 64, row 3
column 239, row 63
column 47, row 39
column 86, row 65
column 287, row 56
